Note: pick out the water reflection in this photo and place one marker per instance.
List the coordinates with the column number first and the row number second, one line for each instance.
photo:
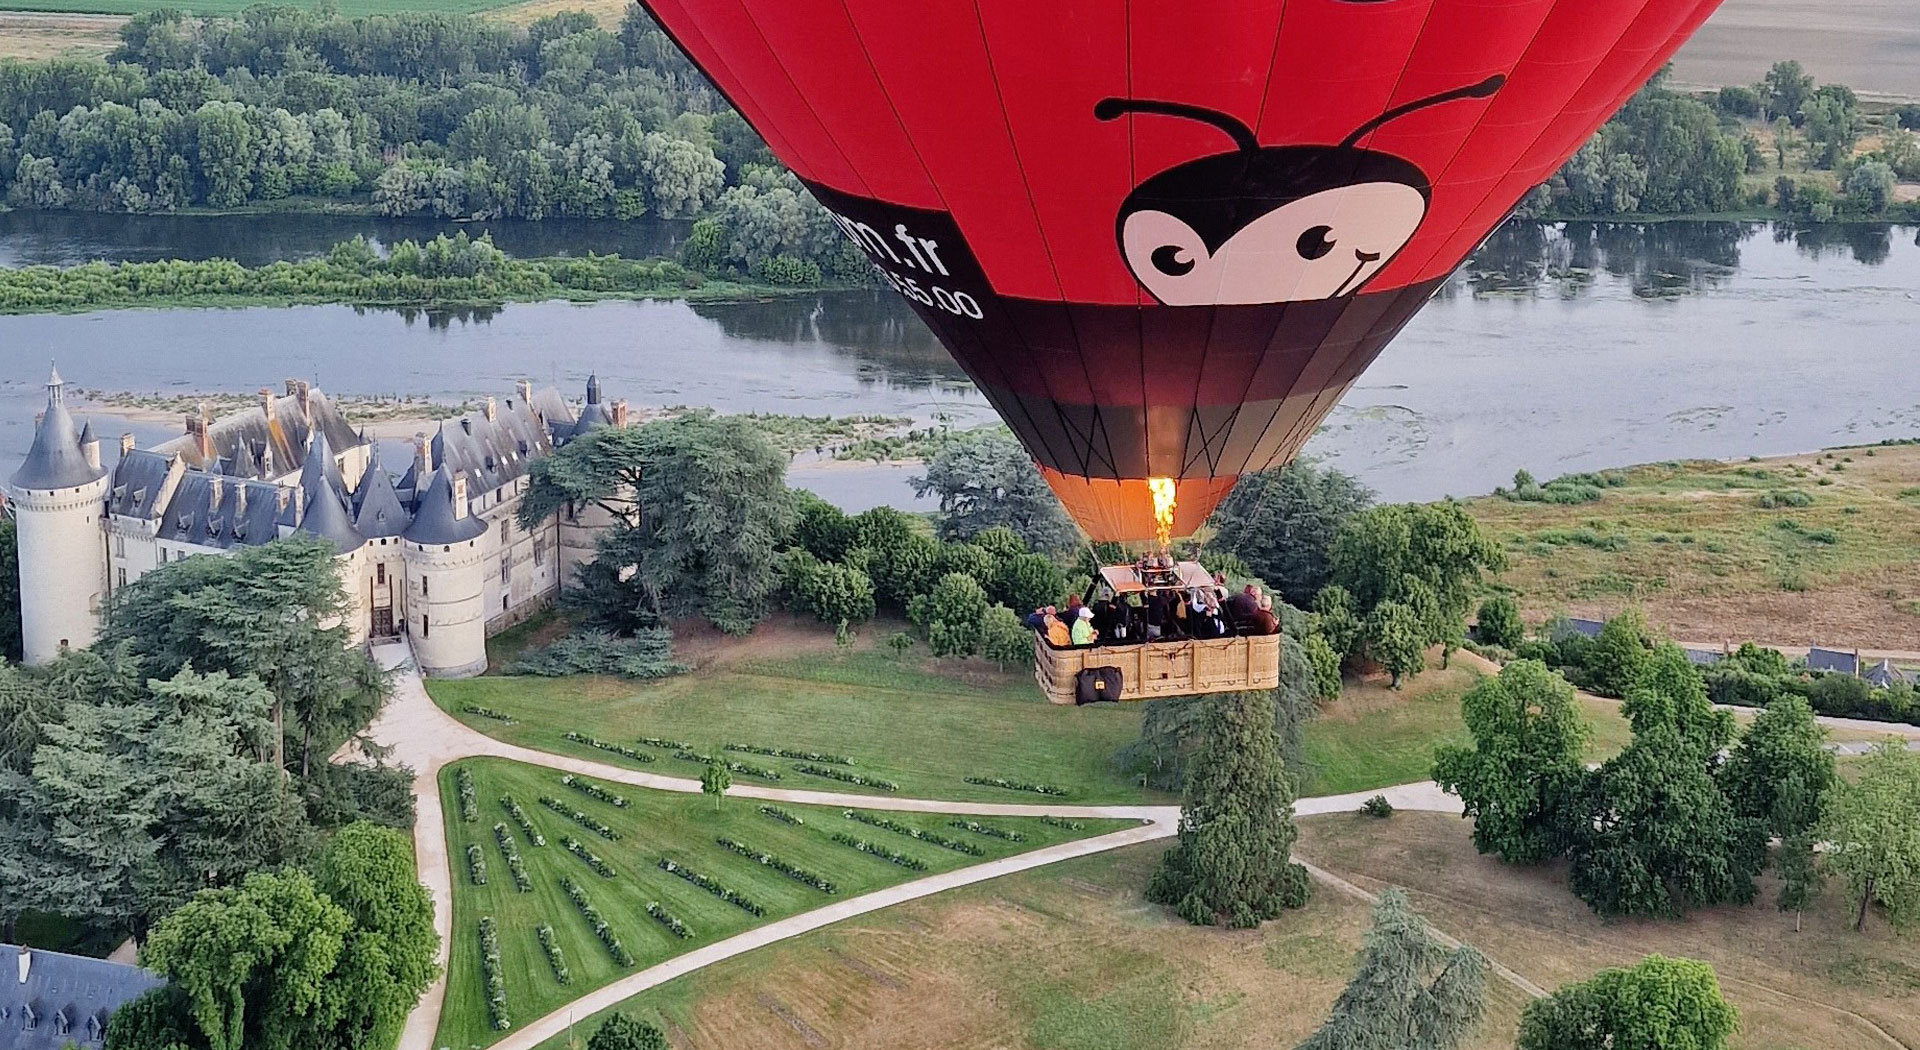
column 1657, row 260
column 1868, row 243
column 889, row 344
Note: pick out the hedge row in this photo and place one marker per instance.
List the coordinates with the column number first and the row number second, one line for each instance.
column 741, row 768
column 520, row 817
column 555, row 957
column 845, row 777
column 507, row 849
column 476, row 866
column 889, row 824
column 469, row 805
column 487, row 712
column 781, row 752
column 1062, row 822
column 593, row 790
column 600, row 928
column 618, row 749
column 713, row 886
column 783, row 816
column 593, row 860
column 580, row 818
column 1017, row 785
column 667, row 919
column 987, row 829
column 666, row 745
column 491, row 973
column 797, row 874
column 877, row 850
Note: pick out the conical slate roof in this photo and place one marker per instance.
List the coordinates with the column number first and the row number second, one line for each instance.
column 326, row 517
column 55, row 460
column 319, row 465
column 379, row 512
column 434, row 520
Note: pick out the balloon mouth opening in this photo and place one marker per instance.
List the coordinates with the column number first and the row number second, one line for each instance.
column 1137, row 510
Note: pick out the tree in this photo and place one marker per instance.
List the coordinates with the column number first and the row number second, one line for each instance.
column 699, row 504
column 625, row 1032
column 1660, row 1004
column 1526, row 764
column 715, row 780
column 951, row 615
column 1428, row 557
column 253, row 961
column 386, row 960
column 1326, row 667
column 1393, row 637
column 1781, row 769
column 1499, row 624
column 822, row 529
column 1337, row 620
column 1004, row 639
column 834, row 593
column 1870, row 186
column 900, row 560
column 1798, row 866
column 1615, row 660
column 1282, row 524
column 10, row 641
column 1873, row 839
column 1173, row 730
column 1232, row 864
column 1784, row 89
column 1408, row 989
column 1831, row 124
column 1025, row 581
column 985, row 479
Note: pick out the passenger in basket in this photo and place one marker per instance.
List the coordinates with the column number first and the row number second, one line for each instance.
column 1083, row 632
column 1263, row 620
column 1057, row 634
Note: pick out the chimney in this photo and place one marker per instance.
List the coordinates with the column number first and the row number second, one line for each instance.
column 280, row 497
column 301, row 393
column 215, row 489
column 523, row 390
column 26, row 964
column 197, row 429
column 489, row 408
column 266, row 402
column 422, row 460
column 126, row 444
column 92, row 451
column 620, row 412
column 239, row 502
column 459, row 496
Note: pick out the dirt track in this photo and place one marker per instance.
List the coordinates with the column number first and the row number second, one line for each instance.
column 1872, row 46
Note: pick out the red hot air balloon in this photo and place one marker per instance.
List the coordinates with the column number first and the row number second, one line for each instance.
column 1164, row 238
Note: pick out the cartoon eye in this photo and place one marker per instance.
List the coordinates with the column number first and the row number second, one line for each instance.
column 1314, row 243
column 1166, row 259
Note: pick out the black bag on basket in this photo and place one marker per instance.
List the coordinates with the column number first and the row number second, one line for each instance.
column 1095, row 685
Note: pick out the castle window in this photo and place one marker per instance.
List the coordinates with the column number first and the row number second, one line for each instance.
column 506, row 531
column 539, row 554
column 423, row 586
column 380, row 573
column 123, row 576
column 425, row 630
column 506, row 569
column 120, row 546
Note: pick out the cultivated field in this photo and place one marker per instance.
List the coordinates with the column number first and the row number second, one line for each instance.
column 42, row 36
column 1835, row 559
column 653, row 826
column 1872, row 46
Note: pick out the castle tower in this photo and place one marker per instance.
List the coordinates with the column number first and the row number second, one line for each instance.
column 446, row 579
column 58, row 496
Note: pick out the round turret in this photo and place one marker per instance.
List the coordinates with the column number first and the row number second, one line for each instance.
column 446, row 577
column 58, row 497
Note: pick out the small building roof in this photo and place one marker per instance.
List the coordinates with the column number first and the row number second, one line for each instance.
column 435, row 520
column 56, row 460
column 1590, row 628
column 61, row 992
column 378, row 512
column 1884, row 675
column 1704, row 657
column 1819, row 659
column 326, row 517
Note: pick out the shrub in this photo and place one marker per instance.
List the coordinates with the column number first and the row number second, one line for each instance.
column 618, row 749
column 1062, row 822
column 731, row 766
column 873, row 849
column 833, row 593
column 593, row 790
column 987, row 829
column 1017, row 785
column 889, row 824
column 823, row 529
column 520, row 817
column 785, row 270
column 1784, row 498
column 463, row 785
column 1377, row 806
column 765, row 859
column 493, row 976
column 504, row 839
column 556, row 959
column 665, row 745
column 1004, row 639
column 783, row 752
column 1326, row 667
column 1026, row 581
column 487, row 712
column 600, row 867
column 666, row 918
column 713, row 886
column 951, row 614
column 600, row 928
column 783, row 816
column 1499, row 622
column 648, row 654
column 476, row 866
column 580, row 818
column 856, row 779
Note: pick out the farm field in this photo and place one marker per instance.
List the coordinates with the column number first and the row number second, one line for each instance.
column 1819, row 548
column 1870, row 45
column 41, row 36
column 651, row 827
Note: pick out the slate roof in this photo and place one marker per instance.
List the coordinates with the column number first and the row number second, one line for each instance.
column 138, row 481
column 66, row 998
column 239, row 440
column 55, row 461
column 1819, row 659
column 326, row 516
column 434, row 520
column 223, row 512
column 1704, row 657
column 1884, row 675
column 377, row 510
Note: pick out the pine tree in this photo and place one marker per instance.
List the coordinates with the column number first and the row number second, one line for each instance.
column 1233, row 862
column 1408, row 990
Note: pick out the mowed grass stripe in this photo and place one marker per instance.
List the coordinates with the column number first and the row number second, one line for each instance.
column 654, row 824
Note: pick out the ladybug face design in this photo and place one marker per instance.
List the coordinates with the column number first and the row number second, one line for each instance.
column 1271, row 224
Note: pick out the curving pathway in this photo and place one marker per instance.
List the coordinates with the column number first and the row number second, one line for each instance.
column 422, row 736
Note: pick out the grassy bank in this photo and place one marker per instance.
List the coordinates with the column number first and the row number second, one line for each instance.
column 1795, row 549
column 654, row 825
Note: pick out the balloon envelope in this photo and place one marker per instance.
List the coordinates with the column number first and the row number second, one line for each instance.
column 1165, row 237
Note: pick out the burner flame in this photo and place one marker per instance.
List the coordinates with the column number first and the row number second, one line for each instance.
column 1163, row 490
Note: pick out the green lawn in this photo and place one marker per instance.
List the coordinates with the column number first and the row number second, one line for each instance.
column 653, row 825
column 350, row 8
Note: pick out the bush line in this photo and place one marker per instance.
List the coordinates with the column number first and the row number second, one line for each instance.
column 845, row 777
column 713, row 886
column 1062, row 822
column 619, row 749
column 1016, row 785
column 469, row 804
column 877, row 850
column 797, row 874
column 781, row 752
column 580, row 818
column 665, row 745
column 476, row 866
column 783, row 816
column 520, row 817
column 491, row 975
column 555, row 957
column 593, row 790
column 987, row 829
column 889, row 824
column 741, row 768
column 593, row 860
column 600, row 928
column 487, row 712
column 666, row 918
column 507, row 849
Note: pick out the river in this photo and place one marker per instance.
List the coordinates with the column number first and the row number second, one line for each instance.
column 1557, row 348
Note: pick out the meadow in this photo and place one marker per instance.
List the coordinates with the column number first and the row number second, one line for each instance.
column 650, row 827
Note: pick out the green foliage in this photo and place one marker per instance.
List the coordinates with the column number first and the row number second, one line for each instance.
column 1408, row 989
column 1873, row 839
column 10, row 640
column 1025, row 581
column 830, row 592
column 700, row 252
column 984, row 480
column 900, row 560
column 951, row 614
column 624, row 1032
column 715, row 780
column 1326, row 667
column 1338, row 619
column 1660, row 1004
column 1663, row 153
column 1525, row 767
column 1428, row 559
column 647, row 654
column 1394, row 638
column 699, row 506
column 386, row 961
column 1377, row 807
column 1233, row 862
column 822, row 529
column 1173, row 730
column 1616, row 659
column 1004, row 639
column 1781, row 769
column 1498, row 622
column 967, row 560
column 1281, row 523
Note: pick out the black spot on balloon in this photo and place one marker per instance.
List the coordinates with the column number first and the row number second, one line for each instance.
column 1314, row 244
column 1166, row 259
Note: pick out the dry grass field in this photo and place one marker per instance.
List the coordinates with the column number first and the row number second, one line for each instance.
column 38, row 36
column 1695, row 546
column 606, row 12
column 1872, row 46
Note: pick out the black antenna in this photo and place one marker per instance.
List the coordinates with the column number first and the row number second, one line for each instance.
column 1112, row 108
column 1481, row 90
